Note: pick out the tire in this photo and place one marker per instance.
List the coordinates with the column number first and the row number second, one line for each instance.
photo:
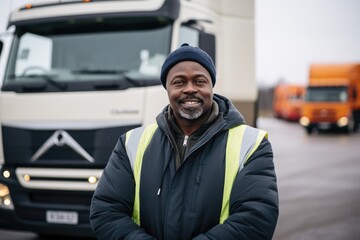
column 309, row 130
column 351, row 125
column 356, row 120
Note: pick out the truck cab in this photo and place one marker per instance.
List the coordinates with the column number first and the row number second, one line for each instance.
column 287, row 102
column 78, row 74
column 331, row 99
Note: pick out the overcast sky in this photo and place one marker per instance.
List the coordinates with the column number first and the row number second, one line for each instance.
column 290, row 35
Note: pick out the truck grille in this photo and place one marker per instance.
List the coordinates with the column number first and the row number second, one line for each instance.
column 22, row 146
column 324, row 114
column 63, row 199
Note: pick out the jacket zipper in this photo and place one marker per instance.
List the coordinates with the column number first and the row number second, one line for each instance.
column 185, row 140
column 214, row 131
column 204, row 140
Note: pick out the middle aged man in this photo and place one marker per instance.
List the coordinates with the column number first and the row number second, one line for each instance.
column 199, row 172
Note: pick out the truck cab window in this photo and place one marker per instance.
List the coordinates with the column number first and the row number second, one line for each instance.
column 189, row 35
column 81, row 60
column 327, row 94
column 34, row 54
column 198, row 38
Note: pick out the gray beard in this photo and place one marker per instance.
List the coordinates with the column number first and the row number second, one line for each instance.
column 192, row 115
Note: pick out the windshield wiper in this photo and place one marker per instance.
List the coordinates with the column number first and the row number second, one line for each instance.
column 111, row 84
column 49, row 79
column 105, row 85
column 46, row 77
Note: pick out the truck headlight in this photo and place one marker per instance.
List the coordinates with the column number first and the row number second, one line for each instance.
column 343, row 121
column 304, row 121
column 5, row 199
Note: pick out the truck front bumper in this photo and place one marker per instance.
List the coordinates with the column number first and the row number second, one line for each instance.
column 9, row 220
column 46, row 212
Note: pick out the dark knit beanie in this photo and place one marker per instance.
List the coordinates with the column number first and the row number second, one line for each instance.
column 188, row 53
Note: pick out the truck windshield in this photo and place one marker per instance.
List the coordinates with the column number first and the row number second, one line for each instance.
column 89, row 55
column 326, row 94
column 295, row 97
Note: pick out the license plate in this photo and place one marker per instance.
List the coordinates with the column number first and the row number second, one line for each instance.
column 324, row 125
column 62, row 217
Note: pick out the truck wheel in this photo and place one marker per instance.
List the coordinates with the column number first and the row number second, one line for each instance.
column 356, row 122
column 351, row 125
column 309, row 130
column 356, row 127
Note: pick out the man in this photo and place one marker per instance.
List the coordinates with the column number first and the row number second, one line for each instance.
column 199, row 173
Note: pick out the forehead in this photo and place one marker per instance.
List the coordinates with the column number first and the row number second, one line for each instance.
column 185, row 66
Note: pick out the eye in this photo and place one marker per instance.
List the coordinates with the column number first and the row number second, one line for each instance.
column 178, row 82
column 200, row 81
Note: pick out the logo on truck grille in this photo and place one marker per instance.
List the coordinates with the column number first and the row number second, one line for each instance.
column 61, row 138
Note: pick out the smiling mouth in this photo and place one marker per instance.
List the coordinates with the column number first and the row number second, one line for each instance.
column 190, row 103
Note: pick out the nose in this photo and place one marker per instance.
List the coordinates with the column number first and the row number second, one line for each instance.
column 190, row 88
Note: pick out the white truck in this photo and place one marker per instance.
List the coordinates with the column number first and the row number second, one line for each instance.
column 75, row 75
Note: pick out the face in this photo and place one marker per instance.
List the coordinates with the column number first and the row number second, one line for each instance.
column 190, row 91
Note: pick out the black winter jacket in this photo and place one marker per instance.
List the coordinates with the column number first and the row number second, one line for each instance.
column 191, row 198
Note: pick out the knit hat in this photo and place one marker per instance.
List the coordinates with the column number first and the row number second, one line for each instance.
column 188, row 53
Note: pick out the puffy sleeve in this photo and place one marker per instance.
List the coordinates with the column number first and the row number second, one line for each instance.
column 112, row 203
column 254, row 205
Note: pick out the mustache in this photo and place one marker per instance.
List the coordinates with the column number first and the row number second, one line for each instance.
column 190, row 97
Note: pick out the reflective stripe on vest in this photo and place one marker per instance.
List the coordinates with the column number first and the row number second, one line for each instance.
column 242, row 142
column 136, row 143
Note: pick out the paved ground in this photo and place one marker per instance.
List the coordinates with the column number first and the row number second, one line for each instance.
column 319, row 182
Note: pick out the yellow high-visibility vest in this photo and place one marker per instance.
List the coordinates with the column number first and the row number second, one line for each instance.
column 242, row 142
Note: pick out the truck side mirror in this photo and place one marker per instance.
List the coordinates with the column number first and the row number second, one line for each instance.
column 207, row 43
column 1, row 46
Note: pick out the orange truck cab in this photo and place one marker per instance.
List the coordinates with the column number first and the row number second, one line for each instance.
column 287, row 101
column 332, row 98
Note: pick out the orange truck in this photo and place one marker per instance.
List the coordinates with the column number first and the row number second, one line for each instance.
column 287, row 101
column 332, row 98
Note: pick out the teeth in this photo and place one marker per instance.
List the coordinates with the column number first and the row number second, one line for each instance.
column 191, row 102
